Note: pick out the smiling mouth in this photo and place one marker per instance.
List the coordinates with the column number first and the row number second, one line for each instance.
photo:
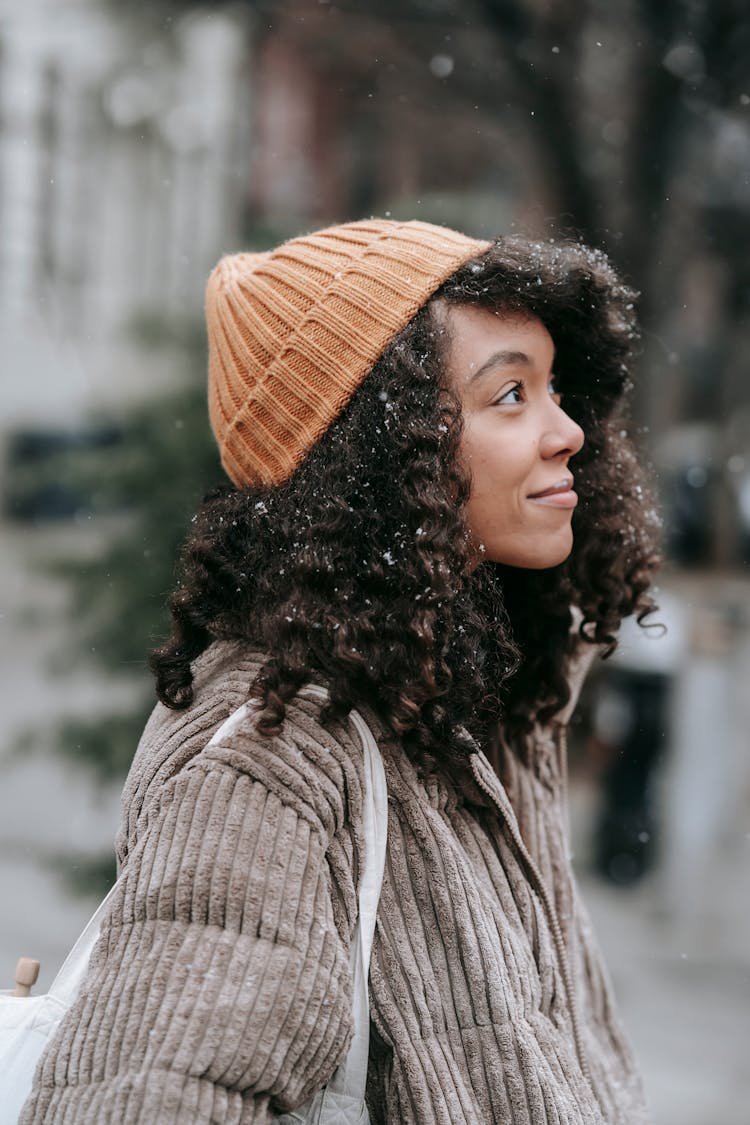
column 562, row 486
column 559, row 495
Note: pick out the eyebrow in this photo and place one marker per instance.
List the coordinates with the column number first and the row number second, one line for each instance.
column 501, row 359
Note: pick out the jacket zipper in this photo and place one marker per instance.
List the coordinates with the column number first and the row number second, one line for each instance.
column 511, row 824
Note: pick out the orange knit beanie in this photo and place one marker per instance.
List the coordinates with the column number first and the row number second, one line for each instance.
column 292, row 333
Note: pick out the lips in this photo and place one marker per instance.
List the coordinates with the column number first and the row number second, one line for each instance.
column 558, row 495
column 554, row 489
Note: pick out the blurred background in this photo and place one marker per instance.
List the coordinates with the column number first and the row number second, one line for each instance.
column 138, row 142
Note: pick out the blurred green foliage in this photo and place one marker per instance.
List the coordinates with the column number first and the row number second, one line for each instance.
column 138, row 494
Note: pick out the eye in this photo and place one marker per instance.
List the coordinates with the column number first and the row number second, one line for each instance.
column 512, row 397
column 553, row 389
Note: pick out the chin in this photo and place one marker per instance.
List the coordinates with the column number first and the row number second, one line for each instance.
column 544, row 564
column 543, row 557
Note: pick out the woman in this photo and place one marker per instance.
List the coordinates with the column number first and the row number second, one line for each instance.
column 401, row 410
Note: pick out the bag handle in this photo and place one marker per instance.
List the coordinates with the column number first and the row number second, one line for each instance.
column 67, row 983
column 350, row 1077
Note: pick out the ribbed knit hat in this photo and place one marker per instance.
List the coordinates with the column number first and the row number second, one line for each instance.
column 292, row 333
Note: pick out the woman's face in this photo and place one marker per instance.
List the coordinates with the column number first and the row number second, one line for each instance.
column 517, row 440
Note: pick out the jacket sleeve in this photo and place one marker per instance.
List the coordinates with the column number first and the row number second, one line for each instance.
column 219, row 990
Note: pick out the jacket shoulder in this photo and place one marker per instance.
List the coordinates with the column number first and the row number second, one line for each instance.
column 315, row 769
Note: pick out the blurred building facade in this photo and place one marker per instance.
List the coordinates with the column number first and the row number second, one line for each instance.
column 122, row 162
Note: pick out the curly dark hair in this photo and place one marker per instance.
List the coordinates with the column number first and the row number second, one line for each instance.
column 358, row 566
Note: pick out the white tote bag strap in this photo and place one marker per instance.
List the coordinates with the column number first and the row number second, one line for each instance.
column 345, row 1092
column 66, row 984
column 342, row 1100
column 350, row 1078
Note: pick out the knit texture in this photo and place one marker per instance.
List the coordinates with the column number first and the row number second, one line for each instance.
column 219, row 991
column 292, row 333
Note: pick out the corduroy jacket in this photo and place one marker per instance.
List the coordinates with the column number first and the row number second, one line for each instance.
column 219, row 990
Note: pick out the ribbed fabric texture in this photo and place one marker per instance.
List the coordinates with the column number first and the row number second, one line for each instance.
column 292, row 333
column 219, row 991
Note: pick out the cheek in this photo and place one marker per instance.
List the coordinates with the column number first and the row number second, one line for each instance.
column 498, row 472
column 495, row 507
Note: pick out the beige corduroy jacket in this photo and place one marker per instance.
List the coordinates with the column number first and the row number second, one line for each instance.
column 220, row 991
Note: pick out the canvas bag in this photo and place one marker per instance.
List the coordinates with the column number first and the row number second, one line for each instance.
column 28, row 1023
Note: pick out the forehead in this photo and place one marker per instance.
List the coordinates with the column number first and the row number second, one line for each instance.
column 474, row 335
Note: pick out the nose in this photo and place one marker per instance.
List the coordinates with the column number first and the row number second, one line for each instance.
column 562, row 436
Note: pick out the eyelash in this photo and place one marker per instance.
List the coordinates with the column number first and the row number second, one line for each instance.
column 520, row 386
column 517, row 387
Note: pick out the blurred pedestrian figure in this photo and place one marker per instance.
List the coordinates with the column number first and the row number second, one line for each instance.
column 633, row 720
column 401, row 410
